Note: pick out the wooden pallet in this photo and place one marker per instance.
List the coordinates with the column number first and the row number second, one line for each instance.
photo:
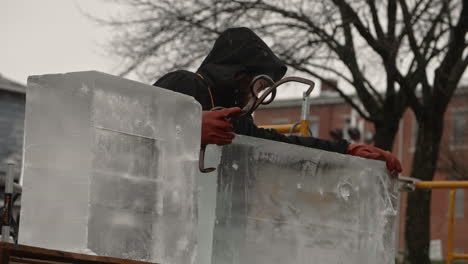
column 19, row 254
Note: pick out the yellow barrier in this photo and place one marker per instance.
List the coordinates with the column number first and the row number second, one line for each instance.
column 441, row 184
column 302, row 127
column 451, row 256
column 284, row 129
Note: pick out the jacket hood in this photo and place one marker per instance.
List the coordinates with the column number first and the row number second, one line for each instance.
column 238, row 50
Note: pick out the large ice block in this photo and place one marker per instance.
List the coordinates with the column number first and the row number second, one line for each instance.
column 110, row 168
column 281, row 203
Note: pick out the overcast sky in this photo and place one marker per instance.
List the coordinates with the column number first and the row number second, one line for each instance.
column 52, row 36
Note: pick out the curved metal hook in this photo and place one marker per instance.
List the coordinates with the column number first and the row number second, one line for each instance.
column 248, row 108
column 201, row 161
column 272, row 90
column 270, row 83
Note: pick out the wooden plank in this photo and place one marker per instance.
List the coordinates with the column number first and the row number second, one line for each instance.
column 4, row 255
column 20, row 254
column 19, row 260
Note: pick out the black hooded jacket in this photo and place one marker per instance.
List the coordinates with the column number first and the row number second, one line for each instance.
column 238, row 50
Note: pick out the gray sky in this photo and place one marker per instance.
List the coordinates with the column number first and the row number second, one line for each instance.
column 52, row 36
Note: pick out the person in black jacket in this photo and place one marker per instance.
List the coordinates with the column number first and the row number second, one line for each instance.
column 223, row 80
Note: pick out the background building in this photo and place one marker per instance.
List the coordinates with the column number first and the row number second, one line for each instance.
column 12, row 106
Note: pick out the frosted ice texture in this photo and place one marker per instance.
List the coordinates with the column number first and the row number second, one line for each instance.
column 207, row 205
column 110, row 168
column 280, row 203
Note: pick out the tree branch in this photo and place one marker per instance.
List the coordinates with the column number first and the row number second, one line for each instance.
column 375, row 20
column 347, row 98
column 422, row 63
column 349, row 58
column 408, row 90
column 345, row 78
column 415, row 16
column 365, row 33
column 431, row 36
column 391, row 24
column 445, row 86
column 333, row 43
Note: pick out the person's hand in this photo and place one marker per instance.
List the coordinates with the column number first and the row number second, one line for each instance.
column 216, row 129
column 371, row 152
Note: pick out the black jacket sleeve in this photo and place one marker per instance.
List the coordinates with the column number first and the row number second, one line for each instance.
column 178, row 81
column 245, row 126
column 187, row 83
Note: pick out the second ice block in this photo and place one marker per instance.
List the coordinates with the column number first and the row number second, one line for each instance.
column 281, row 203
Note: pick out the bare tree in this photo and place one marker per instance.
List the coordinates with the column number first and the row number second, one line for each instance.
column 386, row 50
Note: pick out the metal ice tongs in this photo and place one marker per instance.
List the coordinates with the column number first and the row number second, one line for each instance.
column 258, row 98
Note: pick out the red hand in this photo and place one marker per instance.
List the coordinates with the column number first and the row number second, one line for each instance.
column 215, row 127
column 371, row 152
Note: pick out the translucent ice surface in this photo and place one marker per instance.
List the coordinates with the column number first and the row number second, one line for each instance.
column 110, row 168
column 281, row 203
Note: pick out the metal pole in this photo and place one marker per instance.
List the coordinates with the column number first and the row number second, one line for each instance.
column 450, row 227
column 305, row 115
column 7, row 204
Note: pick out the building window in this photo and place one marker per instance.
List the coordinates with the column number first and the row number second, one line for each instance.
column 459, row 128
column 459, row 203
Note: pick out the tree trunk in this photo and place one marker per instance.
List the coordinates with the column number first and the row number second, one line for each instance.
column 417, row 230
column 385, row 134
